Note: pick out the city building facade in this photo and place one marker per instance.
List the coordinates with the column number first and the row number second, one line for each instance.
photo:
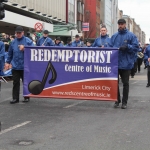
column 109, row 15
column 143, row 38
column 120, row 14
column 135, row 28
column 129, row 22
column 92, row 16
column 58, row 16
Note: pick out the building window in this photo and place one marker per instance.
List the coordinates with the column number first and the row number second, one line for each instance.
column 71, row 1
column 79, row 26
column 80, row 7
column 71, row 11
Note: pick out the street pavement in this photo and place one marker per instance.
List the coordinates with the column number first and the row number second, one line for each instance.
column 62, row 124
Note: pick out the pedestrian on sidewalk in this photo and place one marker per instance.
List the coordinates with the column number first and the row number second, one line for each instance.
column 127, row 44
column 16, row 58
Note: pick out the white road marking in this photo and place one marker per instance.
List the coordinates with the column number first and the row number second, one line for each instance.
column 14, row 127
column 134, row 82
column 75, row 104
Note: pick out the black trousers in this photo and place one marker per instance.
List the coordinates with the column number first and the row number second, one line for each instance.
column 134, row 69
column 139, row 63
column 124, row 74
column 148, row 75
column 17, row 75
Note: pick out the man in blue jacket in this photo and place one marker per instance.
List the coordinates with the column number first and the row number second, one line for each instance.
column 77, row 42
column 16, row 58
column 103, row 40
column 2, row 58
column 127, row 44
column 45, row 40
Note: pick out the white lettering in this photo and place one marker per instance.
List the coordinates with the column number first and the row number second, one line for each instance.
column 108, row 56
column 83, row 56
column 34, row 53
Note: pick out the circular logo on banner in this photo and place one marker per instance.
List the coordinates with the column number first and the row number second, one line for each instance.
column 38, row 26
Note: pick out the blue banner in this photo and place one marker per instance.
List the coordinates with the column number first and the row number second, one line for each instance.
column 78, row 73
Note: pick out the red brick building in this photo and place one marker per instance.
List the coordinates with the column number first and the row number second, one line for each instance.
column 92, row 15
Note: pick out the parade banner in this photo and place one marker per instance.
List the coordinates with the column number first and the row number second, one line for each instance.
column 75, row 73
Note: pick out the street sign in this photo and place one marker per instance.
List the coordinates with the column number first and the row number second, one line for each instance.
column 85, row 26
column 38, row 26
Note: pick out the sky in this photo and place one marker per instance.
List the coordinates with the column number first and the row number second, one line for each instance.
column 139, row 10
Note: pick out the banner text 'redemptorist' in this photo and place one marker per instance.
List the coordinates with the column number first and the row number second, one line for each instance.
column 55, row 55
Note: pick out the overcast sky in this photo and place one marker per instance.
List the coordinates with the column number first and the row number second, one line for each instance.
column 140, row 11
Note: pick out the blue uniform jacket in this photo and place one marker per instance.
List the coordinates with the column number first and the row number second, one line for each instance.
column 77, row 44
column 59, row 44
column 15, row 55
column 127, row 57
column 147, row 55
column 89, row 46
column 102, row 40
column 45, row 42
column 2, row 56
column 69, row 45
column 136, row 54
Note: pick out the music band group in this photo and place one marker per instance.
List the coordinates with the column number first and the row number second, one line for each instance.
column 130, row 56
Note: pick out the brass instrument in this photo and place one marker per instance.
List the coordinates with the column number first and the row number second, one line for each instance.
column 140, row 55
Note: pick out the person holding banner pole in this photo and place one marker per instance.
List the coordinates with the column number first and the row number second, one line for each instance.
column 103, row 40
column 16, row 58
column 127, row 44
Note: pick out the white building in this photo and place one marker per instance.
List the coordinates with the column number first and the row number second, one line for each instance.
column 57, row 16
